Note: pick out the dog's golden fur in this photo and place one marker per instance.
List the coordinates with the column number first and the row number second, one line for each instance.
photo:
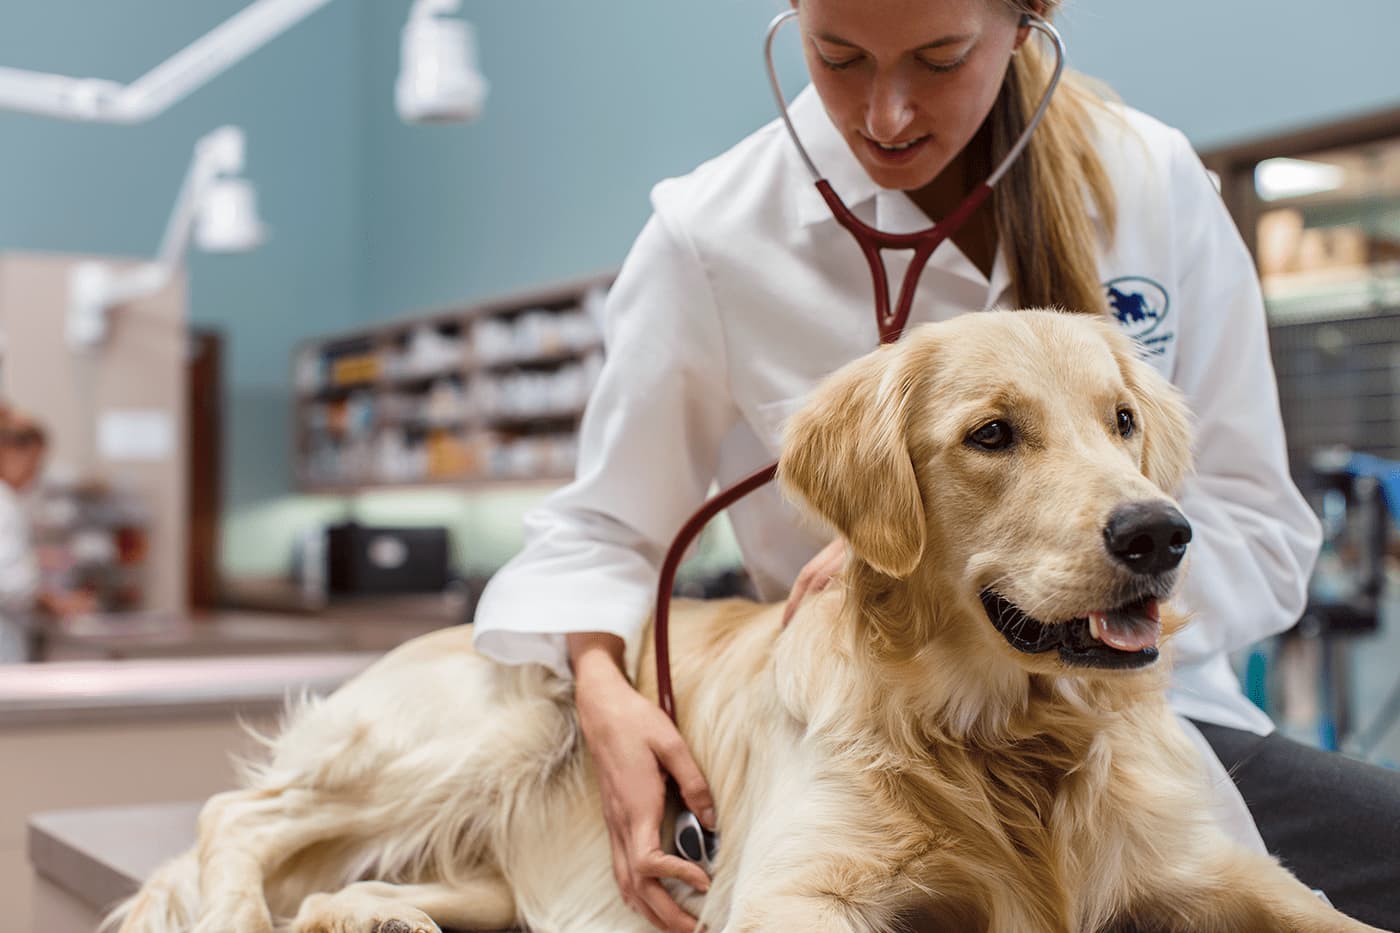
column 886, row 762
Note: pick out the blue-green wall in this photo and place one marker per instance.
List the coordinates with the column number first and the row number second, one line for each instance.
column 1228, row 70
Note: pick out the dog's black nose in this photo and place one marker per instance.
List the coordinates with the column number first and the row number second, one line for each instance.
column 1147, row 537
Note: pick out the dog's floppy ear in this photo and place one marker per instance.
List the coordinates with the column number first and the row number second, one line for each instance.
column 846, row 453
column 1165, row 423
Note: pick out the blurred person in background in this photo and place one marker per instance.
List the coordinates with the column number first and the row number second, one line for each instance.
column 23, row 446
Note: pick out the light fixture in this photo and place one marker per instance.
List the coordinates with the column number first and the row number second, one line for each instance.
column 438, row 79
column 215, row 207
column 1277, row 179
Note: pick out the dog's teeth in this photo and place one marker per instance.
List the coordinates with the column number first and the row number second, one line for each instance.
column 1096, row 620
column 1152, row 610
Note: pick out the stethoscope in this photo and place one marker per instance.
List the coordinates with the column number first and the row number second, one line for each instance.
column 693, row 841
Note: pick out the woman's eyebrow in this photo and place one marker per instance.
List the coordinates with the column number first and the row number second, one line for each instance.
column 935, row 44
column 946, row 41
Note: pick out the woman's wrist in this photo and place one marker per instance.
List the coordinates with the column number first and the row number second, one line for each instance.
column 595, row 656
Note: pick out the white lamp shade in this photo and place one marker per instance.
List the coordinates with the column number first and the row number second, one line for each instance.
column 439, row 81
column 228, row 218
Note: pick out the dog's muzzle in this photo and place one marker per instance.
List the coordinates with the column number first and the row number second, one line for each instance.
column 1134, row 623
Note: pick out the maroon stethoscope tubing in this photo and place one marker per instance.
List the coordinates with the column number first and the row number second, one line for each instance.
column 891, row 325
column 699, row 520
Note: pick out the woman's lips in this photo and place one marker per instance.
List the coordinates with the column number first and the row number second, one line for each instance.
column 898, row 156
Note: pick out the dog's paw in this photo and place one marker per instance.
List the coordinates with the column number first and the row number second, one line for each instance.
column 354, row 913
column 405, row 926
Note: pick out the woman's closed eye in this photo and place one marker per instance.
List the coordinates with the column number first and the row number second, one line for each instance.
column 942, row 66
column 839, row 64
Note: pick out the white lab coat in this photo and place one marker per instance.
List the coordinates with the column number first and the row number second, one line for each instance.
column 19, row 578
column 742, row 292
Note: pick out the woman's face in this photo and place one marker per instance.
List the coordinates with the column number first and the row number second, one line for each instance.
column 20, row 465
column 907, row 82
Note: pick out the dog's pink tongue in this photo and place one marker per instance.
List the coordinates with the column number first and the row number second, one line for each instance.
column 1130, row 631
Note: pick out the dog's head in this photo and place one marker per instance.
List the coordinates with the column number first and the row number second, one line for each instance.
column 1017, row 469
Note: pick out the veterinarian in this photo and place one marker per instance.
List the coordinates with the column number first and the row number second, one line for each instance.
column 22, row 448
column 742, row 292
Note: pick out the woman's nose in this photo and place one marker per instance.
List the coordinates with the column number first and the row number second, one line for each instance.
column 889, row 110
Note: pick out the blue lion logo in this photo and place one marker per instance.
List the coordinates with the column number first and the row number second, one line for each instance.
column 1129, row 307
column 1139, row 304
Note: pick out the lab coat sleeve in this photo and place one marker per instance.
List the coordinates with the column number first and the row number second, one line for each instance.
column 1255, row 539
column 648, row 451
column 19, row 572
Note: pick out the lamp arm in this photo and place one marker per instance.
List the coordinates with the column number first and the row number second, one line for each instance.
column 217, row 153
column 96, row 287
column 99, row 100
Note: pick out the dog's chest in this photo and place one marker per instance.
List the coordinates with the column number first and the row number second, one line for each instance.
column 1021, row 832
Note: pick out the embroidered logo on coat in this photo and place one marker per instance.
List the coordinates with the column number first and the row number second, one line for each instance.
column 1141, row 307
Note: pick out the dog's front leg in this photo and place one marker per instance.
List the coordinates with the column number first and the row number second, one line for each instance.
column 245, row 834
column 1235, row 891
column 483, row 902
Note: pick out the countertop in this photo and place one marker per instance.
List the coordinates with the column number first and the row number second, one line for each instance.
column 347, row 624
column 146, row 666
column 73, row 691
column 101, row 856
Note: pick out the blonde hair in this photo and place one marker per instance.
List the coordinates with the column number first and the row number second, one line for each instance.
column 1041, row 204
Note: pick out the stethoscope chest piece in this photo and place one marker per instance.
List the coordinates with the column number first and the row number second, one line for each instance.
column 694, row 842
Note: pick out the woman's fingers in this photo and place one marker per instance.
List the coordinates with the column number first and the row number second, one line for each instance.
column 667, row 912
column 815, row 576
column 799, row 590
column 658, row 864
column 622, row 872
column 675, row 757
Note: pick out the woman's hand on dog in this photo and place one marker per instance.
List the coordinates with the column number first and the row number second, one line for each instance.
column 634, row 746
column 815, row 576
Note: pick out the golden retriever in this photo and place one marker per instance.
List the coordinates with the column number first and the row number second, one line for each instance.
column 966, row 732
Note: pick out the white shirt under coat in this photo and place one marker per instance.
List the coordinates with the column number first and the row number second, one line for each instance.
column 742, row 292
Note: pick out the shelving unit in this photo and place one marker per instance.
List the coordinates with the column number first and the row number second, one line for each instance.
column 487, row 394
column 1328, row 250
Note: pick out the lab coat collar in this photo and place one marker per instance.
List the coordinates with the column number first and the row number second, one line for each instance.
column 833, row 158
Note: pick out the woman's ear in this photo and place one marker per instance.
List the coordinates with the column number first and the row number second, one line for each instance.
column 1023, row 31
column 846, row 454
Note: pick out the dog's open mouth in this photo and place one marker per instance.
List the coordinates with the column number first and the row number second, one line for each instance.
column 1124, row 637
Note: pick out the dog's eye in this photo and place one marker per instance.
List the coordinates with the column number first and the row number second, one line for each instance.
column 1125, row 423
column 994, row 435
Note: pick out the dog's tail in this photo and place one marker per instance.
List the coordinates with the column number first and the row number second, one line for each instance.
column 167, row 903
